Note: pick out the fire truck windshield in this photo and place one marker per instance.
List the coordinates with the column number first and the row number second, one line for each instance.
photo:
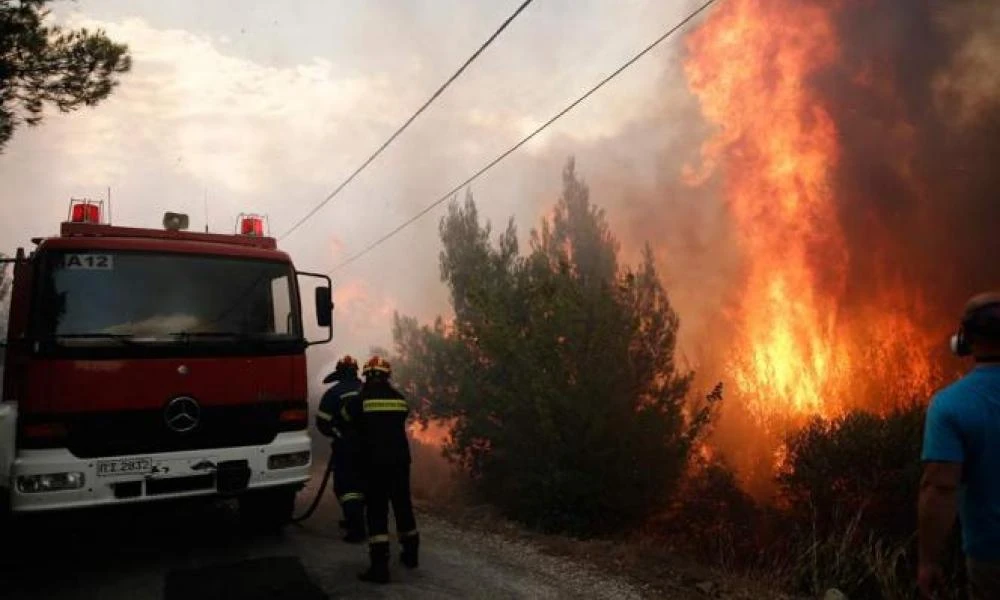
column 127, row 298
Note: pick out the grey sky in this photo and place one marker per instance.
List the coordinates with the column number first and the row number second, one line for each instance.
column 267, row 106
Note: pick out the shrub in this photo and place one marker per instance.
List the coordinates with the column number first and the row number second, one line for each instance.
column 714, row 520
column 845, row 517
column 861, row 468
column 850, row 485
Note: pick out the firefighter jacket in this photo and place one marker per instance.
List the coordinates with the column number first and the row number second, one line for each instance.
column 381, row 416
column 332, row 418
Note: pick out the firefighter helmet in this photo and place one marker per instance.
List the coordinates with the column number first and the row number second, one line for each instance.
column 377, row 364
column 347, row 363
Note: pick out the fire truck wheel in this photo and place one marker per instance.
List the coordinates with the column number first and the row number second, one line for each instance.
column 267, row 509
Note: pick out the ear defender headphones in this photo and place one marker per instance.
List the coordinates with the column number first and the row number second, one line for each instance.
column 960, row 343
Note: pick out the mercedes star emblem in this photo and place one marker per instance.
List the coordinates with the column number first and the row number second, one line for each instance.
column 182, row 414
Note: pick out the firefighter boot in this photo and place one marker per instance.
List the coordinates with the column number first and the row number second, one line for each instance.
column 378, row 572
column 410, row 557
column 355, row 521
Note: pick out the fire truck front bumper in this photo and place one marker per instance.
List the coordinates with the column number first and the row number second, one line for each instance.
column 54, row 479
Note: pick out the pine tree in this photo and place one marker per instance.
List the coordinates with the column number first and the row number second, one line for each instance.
column 42, row 64
column 558, row 370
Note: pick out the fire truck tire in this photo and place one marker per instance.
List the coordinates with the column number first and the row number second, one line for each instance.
column 268, row 510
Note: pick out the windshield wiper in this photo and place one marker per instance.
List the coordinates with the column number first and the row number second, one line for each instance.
column 122, row 338
column 196, row 334
column 189, row 335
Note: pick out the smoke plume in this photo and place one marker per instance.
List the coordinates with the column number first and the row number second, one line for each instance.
column 916, row 187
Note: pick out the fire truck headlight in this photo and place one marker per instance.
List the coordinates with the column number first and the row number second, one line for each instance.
column 287, row 461
column 49, row 482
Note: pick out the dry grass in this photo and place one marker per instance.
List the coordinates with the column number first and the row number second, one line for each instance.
column 715, row 534
column 645, row 559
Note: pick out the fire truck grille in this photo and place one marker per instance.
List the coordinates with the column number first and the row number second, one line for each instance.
column 93, row 435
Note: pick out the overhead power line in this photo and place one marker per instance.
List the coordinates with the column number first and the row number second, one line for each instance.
column 403, row 127
column 451, row 193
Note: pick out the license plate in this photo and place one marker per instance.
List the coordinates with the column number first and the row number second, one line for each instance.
column 124, row 466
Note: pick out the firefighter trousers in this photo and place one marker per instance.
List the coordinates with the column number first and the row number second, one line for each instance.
column 390, row 485
column 348, row 486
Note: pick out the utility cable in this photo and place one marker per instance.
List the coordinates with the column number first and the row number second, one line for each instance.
column 403, row 127
column 451, row 193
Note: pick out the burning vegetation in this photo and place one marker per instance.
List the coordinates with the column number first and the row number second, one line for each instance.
column 797, row 351
column 852, row 145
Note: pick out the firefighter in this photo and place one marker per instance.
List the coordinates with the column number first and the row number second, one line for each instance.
column 382, row 415
column 333, row 420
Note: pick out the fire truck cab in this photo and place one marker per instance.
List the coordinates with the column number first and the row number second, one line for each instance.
column 148, row 364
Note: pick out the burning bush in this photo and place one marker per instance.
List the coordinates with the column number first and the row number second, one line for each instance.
column 861, row 467
column 558, row 371
column 850, row 485
column 845, row 515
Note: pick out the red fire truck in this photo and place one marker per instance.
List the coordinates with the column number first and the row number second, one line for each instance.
column 146, row 364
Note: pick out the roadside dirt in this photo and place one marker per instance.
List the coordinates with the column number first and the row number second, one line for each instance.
column 645, row 564
column 196, row 552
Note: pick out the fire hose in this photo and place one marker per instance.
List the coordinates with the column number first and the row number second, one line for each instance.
column 319, row 494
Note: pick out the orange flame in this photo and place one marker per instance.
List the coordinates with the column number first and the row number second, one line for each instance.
column 797, row 352
column 435, row 435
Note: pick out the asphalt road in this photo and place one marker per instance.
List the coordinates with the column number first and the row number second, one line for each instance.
column 196, row 552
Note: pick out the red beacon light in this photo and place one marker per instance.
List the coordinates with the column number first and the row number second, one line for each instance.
column 252, row 225
column 85, row 211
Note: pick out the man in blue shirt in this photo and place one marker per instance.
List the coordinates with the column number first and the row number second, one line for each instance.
column 961, row 457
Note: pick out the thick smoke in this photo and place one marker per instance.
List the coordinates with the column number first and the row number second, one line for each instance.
column 917, row 183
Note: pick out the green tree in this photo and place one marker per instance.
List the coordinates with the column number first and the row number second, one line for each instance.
column 557, row 372
column 5, row 283
column 43, row 64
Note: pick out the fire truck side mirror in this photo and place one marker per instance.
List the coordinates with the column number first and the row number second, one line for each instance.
column 324, row 307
